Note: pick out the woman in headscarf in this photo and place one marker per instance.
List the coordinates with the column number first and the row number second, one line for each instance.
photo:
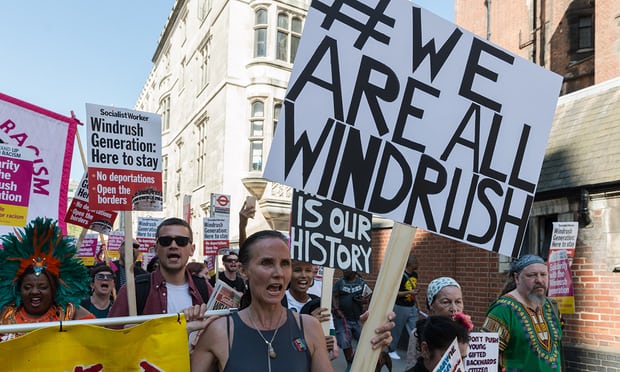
column 444, row 298
column 41, row 280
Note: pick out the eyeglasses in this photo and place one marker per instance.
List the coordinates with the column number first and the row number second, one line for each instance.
column 102, row 276
column 231, row 260
column 181, row 241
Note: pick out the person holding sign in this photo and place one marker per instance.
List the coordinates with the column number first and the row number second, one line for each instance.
column 435, row 334
column 41, row 280
column 172, row 288
column 529, row 327
column 259, row 337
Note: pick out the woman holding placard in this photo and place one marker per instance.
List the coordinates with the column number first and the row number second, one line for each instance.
column 435, row 334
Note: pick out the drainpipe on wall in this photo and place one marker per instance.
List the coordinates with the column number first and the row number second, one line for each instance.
column 487, row 3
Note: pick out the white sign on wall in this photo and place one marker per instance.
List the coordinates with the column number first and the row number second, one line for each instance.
column 400, row 113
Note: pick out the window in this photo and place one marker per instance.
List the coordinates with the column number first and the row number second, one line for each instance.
column 276, row 115
column 205, row 56
column 586, row 34
column 204, row 6
column 257, row 121
column 164, row 108
column 164, row 174
column 260, row 33
column 538, row 235
column 183, row 28
column 288, row 36
column 182, row 75
column 201, row 160
column 258, row 116
column 179, row 165
column 256, row 155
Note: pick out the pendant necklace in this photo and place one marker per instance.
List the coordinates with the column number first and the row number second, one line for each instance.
column 271, row 353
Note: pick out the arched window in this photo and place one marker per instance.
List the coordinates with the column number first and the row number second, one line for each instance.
column 260, row 33
column 257, row 121
column 288, row 36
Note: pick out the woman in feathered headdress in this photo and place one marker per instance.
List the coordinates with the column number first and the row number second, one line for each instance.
column 41, row 279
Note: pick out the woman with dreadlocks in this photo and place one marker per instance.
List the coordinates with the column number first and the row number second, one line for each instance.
column 41, row 280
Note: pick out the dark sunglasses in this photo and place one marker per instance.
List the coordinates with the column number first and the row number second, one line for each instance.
column 102, row 276
column 136, row 245
column 231, row 260
column 181, row 241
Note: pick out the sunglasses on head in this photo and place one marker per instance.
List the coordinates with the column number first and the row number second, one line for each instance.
column 181, row 241
column 102, row 276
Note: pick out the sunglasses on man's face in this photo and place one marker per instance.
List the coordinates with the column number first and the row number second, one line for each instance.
column 181, row 241
column 102, row 276
column 231, row 260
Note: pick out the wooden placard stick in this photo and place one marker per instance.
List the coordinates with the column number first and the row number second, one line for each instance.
column 129, row 265
column 384, row 294
column 326, row 295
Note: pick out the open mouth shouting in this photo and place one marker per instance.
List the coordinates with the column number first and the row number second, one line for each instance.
column 174, row 257
column 275, row 289
column 35, row 302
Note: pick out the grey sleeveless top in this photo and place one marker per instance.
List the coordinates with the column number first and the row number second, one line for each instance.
column 249, row 351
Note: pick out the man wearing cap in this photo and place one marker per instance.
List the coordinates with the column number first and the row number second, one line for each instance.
column 528, row 325
column 230, row 275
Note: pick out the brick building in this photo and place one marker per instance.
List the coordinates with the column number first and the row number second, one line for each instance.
column 580, row 178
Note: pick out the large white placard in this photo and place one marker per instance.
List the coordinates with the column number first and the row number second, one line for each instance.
column 395, row 111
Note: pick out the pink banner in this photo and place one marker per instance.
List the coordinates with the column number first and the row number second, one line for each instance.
column 50, row 136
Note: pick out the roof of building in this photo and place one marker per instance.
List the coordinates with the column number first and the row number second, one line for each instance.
column 584, row 143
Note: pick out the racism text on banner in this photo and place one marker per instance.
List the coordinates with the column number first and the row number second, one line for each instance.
column 80, row 214
column 50, row 137
column 393, row 110
column 124, row 159
column 330, row 234
column 16, row 169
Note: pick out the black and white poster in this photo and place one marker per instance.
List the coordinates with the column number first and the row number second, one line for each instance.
column 393, row 110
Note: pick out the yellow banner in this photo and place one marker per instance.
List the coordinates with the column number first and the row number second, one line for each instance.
column 157, row 345
column 13, row 215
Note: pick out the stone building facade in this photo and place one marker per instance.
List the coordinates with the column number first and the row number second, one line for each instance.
column 220, row 71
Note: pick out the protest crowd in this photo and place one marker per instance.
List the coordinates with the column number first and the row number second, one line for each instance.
column 43, row 281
